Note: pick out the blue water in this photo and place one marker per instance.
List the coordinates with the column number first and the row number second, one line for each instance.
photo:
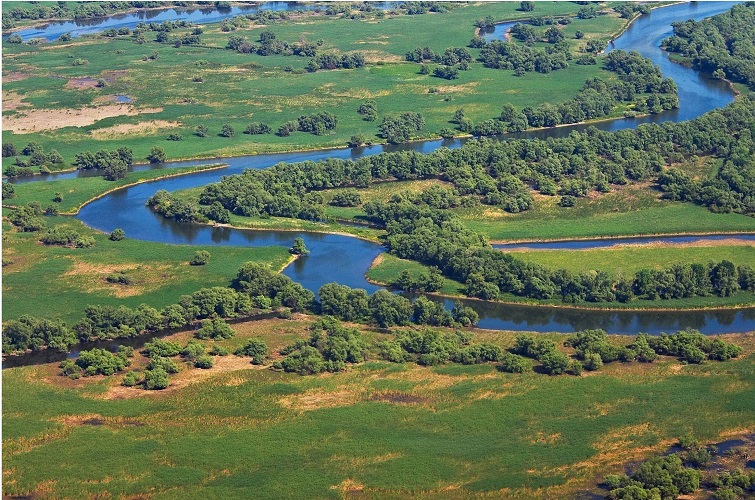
column 346, row 260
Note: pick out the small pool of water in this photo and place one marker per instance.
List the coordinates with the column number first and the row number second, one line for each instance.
column 124, row 99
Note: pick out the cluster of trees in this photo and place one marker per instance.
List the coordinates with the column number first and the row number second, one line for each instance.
column 432, row 281
column 329, row 348
column 730, row 188
column 680, row 474
column 553, row 361
column 437, row 238
column 67, row 238
column 629, row 9
column 334, row 61
column 27, row 218
column 114, row 164
column 499, row 54
column 97, row 362
column 387, row 309
column 721, row 44
column 254, row 288
column 270, row 44
column 432, row 348
column 37, row 157
column 400, row 128
column 317, row 123
column 452, row 60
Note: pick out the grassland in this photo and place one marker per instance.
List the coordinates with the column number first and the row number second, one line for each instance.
column 59, row 282
column 77, row 192
column 40, row 81
column 387, row 268
column 379, row 430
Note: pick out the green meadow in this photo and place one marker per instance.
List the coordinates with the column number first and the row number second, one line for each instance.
column 377, row 430
column 238, row 89
column 59, row 282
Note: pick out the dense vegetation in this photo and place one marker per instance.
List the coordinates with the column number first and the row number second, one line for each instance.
column 721, row 44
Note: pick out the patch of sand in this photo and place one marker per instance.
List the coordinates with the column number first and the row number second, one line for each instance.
column 13, row 101
column 51, row 119
column 14, row 76
column 82, row 83
column 317, row 399
column 133, row 129
column 348, row 485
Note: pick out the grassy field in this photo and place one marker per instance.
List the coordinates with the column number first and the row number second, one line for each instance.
column 629, row 211
column 378, row 430
column 59, row 282
column 387, row 268
column 41, row 82
column 628, row 260
column 77, row 192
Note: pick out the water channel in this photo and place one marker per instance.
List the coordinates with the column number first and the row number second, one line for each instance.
column 346, row 259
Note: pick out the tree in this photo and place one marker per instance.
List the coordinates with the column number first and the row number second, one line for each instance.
column 156, row 379
column 117, row 235
column 156, row 155
column 9, row 149
column 201, row 131
column 299, row 248
column 389, row 309
column 215, row 329
column 227, row 131
column 255, row 348
column 526, row 6
column 357, row 140
column 201, row 257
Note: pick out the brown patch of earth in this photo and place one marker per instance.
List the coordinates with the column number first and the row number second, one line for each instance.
column 92, row 277
column 82, row 83
column 395, row 397
column 348, row 485
column 12, row 101
column 14, row 76
column 133, row 129
column 317, row 399
column 52, row 119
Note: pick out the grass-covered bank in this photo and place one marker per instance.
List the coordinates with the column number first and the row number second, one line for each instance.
column 380, row 429
column 77, row 192
column 59, row 282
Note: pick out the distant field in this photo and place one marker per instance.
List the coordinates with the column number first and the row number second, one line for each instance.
column 637, row 211
column 388, row 268
column 166, row 99
column 628, row 260
column 58, row 282
column 451, row 431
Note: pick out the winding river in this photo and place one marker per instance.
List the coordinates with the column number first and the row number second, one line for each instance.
column 346, row 259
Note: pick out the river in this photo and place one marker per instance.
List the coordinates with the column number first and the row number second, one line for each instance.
column 345, row 259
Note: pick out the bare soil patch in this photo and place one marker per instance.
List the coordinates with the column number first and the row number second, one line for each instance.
column 52, row 119
column 134, row 129
column 12, row 101
column 82, row 83
column 394, row 397
column 317, row 399
column 14, row 76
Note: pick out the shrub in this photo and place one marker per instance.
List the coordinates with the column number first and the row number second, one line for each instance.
column 156, row 379
column 201, row 257
column 117, row 235
column 255, row 348
column 204, row 361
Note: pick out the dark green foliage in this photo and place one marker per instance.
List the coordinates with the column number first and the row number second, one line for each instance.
column 27, row 218
column 161, row 348
column 117, row 235
column 299, row 248
column 664, row 477
column 401, row 128
column 218, row 351
column 32, row 333
column 201, row 257
column 344, row 302
column 257, row 128
column 204, row 361
column 692, row 346
column 215, row 328
column 68, row 238
column 100, row 362
column 255, row 348
column 347, row 198
column 388, row 309
column 192, row 350
column 329, row 348
column 162, row 363
column 119, row 278
column 465, row 316
column 432, row 282
column 201, row 131
column 130, row 379
column 513, row 364
column 367, row 109
column 227, row 131
column 156, row 379
column 427, row 312
column 714, row 44
column 254, row 279
column 157, row 155
column 8, row 190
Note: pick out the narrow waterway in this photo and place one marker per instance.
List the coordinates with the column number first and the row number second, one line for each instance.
column 346, row 260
